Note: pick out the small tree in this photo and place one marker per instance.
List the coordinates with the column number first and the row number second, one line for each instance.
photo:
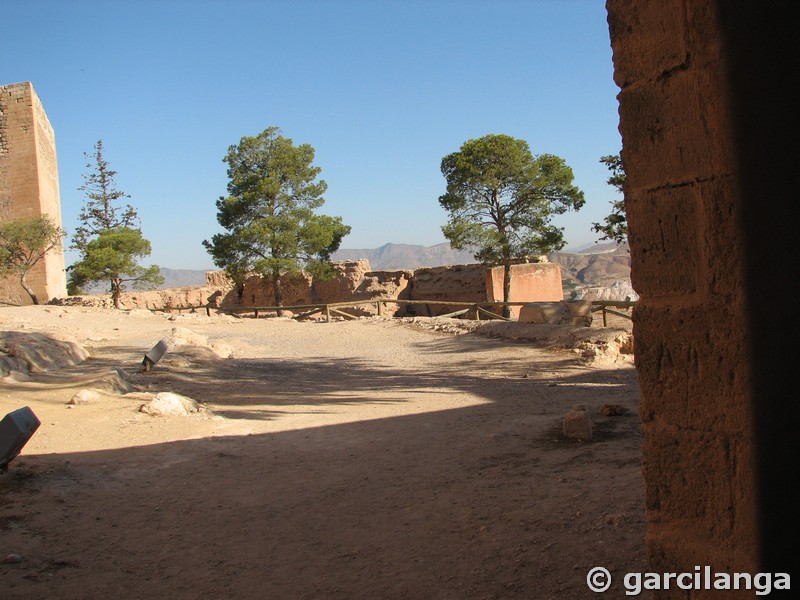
column 108, row 236
column 269, row 216
column 616, row 224
column 113, row 256
column 23, row 243
column 99, row 213
column 501, row 199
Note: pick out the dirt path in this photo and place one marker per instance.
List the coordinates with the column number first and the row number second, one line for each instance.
column 366, row 459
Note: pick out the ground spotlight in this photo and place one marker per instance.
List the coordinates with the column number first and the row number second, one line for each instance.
column 16, row 429
column 153, row 355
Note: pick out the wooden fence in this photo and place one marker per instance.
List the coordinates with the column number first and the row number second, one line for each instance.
column 476, row 310
column 603, row 305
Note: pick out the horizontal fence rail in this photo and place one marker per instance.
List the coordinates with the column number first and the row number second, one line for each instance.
column 602, row 305
column 463, row 309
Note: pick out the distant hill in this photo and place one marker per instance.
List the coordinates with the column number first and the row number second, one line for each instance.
column 595, row 265
column 173, row 278
column 406, row 256
column 182, row 278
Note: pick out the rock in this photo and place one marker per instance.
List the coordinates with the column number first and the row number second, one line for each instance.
column 618, row 290
column 603, row 345
column 218, row 279
column 578, row 313
column 12, row 559
column 37, row 353
column 115, row 381
column 181, row 338
column 85, row 396
column 626, row 344
column 168, row 403
column 541, row 313
column 578, row 424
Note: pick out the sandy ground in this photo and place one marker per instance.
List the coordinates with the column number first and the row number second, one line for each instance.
column 376, row 459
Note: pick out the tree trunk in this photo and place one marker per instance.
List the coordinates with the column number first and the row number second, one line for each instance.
column 116, row 291
column 277, row 289
column 25, row 286
column 506, row 286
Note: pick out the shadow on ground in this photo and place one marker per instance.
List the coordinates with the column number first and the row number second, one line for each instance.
column 483, row 501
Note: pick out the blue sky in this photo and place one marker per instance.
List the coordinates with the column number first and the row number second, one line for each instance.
column 381, row 89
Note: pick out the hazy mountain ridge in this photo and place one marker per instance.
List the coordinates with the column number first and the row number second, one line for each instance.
column 407, row 256
column 182, row 277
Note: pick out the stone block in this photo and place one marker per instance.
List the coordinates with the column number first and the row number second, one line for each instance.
column 576, row 313
column 530, row 282
column 577, row 423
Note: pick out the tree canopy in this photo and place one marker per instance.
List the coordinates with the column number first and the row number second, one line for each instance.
column 615, row 226
column 23, row 243
column 269, row 216
column 501, row 199
column 113, row 256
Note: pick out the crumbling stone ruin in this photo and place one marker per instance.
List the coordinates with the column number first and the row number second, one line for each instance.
column 29, row 185
column 355, row 280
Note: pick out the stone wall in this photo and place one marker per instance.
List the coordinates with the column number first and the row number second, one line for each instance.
column 459, row 283
column 354, row 281
column 29, row 184
column 686, row 252
column 540, row 282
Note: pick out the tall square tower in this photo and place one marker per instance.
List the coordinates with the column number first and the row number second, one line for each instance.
column 29, row 185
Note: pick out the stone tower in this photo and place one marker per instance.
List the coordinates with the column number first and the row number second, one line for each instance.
column 29, row 185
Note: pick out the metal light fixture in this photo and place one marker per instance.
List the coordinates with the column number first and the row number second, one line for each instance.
column 16, row 429
column 153, row 355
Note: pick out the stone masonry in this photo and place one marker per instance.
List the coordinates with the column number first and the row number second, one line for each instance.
column 689, row 323
column 29, row 184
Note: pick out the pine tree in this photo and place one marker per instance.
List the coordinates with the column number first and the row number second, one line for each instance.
column 109, row 237
column 99, row 213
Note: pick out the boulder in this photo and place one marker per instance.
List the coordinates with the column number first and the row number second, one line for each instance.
column 85, row 396
column 577, row 312
column 168, row 403
column 37, row 353
column 578, row 423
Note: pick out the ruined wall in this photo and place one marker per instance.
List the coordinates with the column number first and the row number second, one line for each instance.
column 535, row 282
column 354, row 281
column 459, row 283
column 29, row 184
column 685, row 253
column 357, row 281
